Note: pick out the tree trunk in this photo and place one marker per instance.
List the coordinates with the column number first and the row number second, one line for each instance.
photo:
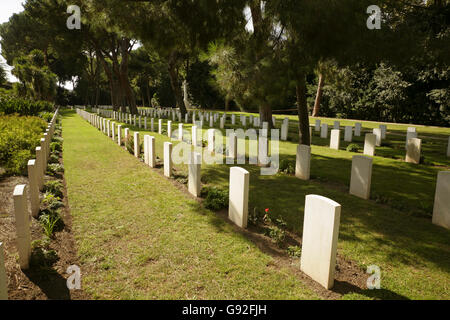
column 123, row 76
column 227, row 103
column 148, row 94
column 303, row 118
column 265, row 113
column 318, row 96
column 175, row 84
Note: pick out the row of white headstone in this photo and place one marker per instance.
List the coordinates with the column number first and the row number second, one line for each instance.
column 361, row 173
column 373, row 140
column 361, row 179
column 36, row 172
column 258, row 146
column 321, row 215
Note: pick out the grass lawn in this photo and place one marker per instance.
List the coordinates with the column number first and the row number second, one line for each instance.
column 139, row 237
column 393, row 230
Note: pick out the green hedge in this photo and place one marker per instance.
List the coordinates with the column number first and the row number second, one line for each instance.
column 24, row 107
column 19, row 137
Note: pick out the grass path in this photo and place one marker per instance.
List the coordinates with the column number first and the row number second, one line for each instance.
column 139, row 237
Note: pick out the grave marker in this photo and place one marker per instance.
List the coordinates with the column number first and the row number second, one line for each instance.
column 413, row 150
column 369, row 144
column 238, row 196
column 348, row 134
column 137, row 145
column 22, row 225
column 324, row 131
column 335, row 139
column 377, row 133
column 167, row 159
column 441, row 209
column 34, row 187
column 319, row 240
column 194, row 184
column 361, row 177
column 303, row 162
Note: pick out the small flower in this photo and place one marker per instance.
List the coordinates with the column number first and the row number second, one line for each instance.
column 267, row 210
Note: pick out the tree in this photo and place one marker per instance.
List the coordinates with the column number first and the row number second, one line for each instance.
column 171, row 30
column 36, row 79
column 3, row 76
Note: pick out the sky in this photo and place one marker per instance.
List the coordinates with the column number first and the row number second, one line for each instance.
column 7, row 9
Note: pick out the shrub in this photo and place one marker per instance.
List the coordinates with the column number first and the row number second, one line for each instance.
column 287, row 166
column 24, row 107
column 47, row 116
column 294, row 251
column 353, row 147
column 55, row 146
column 54, row 187
column 54, row 168
column 51, row 202
column 49, row 223
column 19, row 137
column 216, row 198
column 277, row 234
column 53, row 158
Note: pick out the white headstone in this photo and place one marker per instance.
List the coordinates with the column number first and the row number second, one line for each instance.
column 319, row 239
column 180, row 132
column 238, row 196
column 194, row 184
column 348, row 135
column 358, row 129
column 33, row 187
column 361, row 176
column 160, row 126
column 413, row 150
column 146, row 152
column 377, row 133
column 232, row 147
column 137, row 146
column 410, row 135
column 383, row 129
column 211, row 137
column 119, row 134
column 369, row 144
column 284, row 131
column 194, row 135
column 303, row 162
column 335, row 139
column 167, row 159
column 317, row 125
column 324, row 131
column 169, row 129
column 151, row 152
column 441, row 210
column 22, row 225
column 263, row 150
